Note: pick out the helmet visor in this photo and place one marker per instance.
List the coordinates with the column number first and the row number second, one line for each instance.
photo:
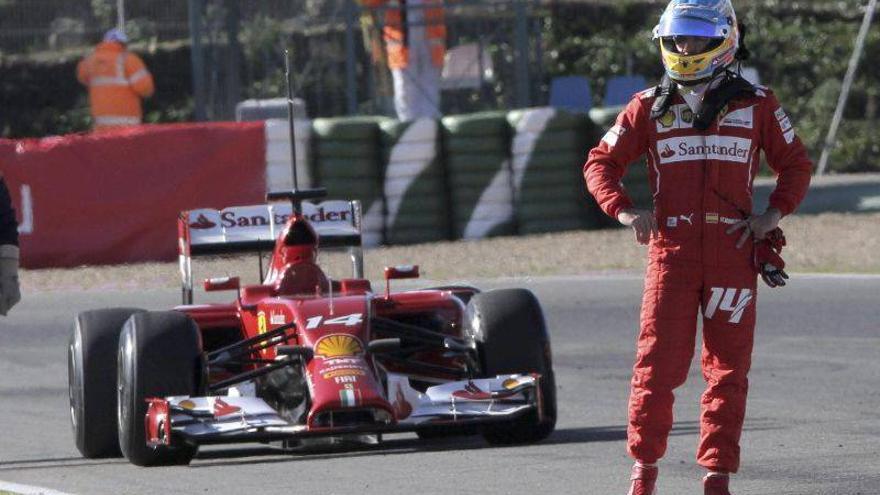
column 687, row 26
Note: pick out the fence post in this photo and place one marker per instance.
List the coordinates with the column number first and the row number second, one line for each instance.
column 350, row 76
column 197, row 58
column 233, row 59
column 120, row 15
column 523, row 91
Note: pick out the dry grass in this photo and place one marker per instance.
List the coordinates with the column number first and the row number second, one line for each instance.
column 816, row 243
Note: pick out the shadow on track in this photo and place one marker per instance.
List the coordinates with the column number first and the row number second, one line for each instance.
column 411, row 445
column 53, row 463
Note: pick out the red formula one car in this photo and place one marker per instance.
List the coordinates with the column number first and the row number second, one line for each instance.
column 301, row 355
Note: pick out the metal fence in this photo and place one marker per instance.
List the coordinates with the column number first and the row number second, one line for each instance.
column 238, row 53
column 33, row 26
column 238, row 48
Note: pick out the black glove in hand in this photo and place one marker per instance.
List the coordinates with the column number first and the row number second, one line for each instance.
column 767, row 261
column 774, row 277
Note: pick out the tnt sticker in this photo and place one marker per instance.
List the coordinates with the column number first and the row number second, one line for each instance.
column 780, row 113
column 672, row 222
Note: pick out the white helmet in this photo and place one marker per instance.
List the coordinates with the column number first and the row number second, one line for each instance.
column 116, row 35
column 713, row 19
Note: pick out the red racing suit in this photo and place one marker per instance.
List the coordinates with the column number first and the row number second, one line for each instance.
column 701, row 183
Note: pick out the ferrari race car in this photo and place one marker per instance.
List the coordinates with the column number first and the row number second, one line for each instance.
column 303, row 357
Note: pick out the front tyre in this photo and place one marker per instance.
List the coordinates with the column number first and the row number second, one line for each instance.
column 91, row 379
column 160, row 354
column 508, row 326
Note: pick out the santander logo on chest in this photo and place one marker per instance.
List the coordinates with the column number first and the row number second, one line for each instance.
column 690, row 148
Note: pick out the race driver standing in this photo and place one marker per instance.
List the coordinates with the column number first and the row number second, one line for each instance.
column 702, row 130
column 9, row 292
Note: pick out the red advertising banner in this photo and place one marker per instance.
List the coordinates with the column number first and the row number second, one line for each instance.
column 114, row 197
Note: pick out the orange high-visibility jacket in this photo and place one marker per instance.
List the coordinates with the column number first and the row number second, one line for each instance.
column 395, row 33
column 117, row 80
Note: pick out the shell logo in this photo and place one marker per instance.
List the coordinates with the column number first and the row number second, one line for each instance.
column 668, row 119
column 333, row 346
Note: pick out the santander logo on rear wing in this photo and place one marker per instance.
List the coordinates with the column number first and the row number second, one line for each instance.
column 254, row 228
column 246, row 228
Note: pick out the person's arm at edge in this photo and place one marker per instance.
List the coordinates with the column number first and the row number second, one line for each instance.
column 606, row 165
column 139, row 77
column 788, row 158
column 8, row 223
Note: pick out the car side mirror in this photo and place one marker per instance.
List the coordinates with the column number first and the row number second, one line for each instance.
column 222, row 283
column 399, row 272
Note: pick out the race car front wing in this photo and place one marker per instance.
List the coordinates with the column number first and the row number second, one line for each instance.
column 233, row 419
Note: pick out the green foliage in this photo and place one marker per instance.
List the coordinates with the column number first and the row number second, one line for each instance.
column 857, row 148
column 104, row 11
column 800, row 50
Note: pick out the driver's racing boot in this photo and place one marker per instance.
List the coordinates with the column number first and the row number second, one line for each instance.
column 644, row 477
column 716, row 484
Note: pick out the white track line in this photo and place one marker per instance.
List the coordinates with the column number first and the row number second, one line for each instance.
column 27, row 489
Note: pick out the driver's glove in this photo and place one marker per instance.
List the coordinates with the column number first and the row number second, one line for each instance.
column 767, row 261
column 9, row 292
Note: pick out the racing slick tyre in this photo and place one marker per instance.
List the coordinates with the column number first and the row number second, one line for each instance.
column 160, row 354
column 511, row 335
column 91, row 379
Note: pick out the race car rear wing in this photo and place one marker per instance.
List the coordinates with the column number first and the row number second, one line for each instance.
column 248, row 229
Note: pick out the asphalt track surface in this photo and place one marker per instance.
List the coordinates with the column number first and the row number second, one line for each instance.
column 813, row 423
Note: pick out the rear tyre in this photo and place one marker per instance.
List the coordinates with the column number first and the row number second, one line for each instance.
column 508, row 326
column 91, row 379
column 160, row 354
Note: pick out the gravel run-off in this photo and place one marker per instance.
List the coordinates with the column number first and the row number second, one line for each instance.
column 825, row 243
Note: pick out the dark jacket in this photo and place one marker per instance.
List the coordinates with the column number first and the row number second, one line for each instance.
column 8, row 225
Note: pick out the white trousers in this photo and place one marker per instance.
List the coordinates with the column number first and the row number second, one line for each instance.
column 417, row 86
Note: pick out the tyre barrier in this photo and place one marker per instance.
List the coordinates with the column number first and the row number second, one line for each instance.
column 347, row 160
column 279, row 175
column 477, row 155
column 549, row 148
column 415, row 189
column 471, row 176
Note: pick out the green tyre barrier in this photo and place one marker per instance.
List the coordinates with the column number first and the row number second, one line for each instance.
column 549, row 148
column 335, row 148
column 476, row 145
column 538, row 211
column 365, row 128
column 488, row 163
column 551, row 225
column 414, row 186
column 492, row 123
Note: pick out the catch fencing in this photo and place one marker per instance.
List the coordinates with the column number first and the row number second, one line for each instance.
column 238, row 46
